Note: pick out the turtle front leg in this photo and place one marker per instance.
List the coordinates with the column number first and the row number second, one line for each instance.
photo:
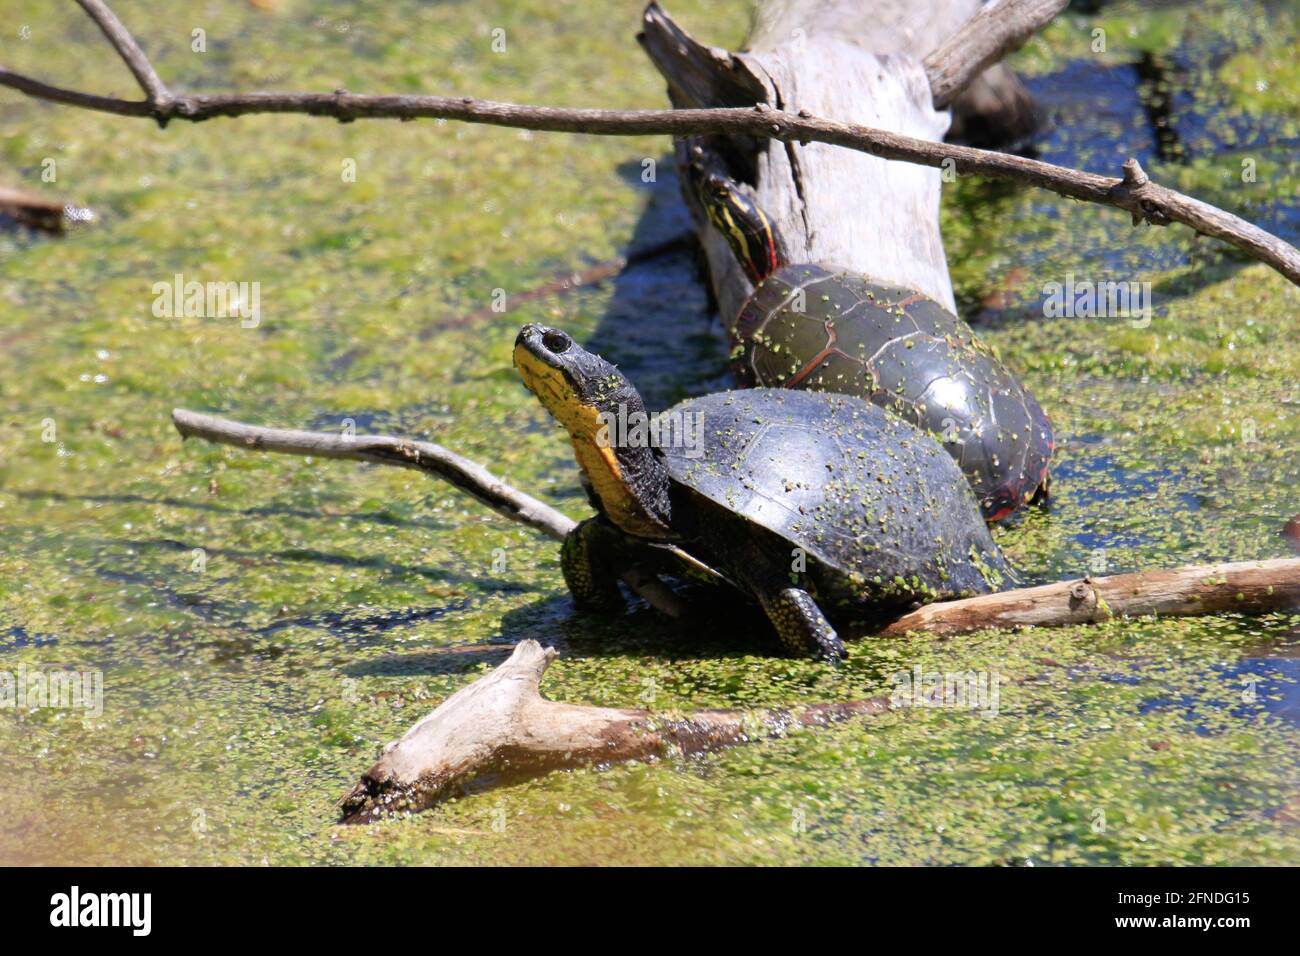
column 800, row 624
column 589, row 559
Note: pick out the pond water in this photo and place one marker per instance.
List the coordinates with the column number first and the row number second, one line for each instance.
column 264, row 624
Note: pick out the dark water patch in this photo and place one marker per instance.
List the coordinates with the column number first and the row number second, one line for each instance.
column 17, row 637
column 1102, row 485
column 1250, row 689
column 211, row 610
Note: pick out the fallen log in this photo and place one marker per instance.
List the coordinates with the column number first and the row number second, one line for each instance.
column 501, row 725
column 893, row 66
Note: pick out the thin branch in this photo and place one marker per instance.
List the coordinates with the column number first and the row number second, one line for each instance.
column 501, row 724
column 997, row 30
column 1246, row 587
column 58, row 94
column 469, row 476
column 432, row 459
column 40, row 212
column 129, row 50
column 1135, row 193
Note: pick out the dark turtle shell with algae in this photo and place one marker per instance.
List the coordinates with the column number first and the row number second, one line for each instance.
column 827, row 330
column 878, row 510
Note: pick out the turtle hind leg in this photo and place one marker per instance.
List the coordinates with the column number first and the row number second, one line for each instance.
column 800, row 624
column 589, row 558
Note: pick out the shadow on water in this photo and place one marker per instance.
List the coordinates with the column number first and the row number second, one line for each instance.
column 658, row 326
column 377, row 517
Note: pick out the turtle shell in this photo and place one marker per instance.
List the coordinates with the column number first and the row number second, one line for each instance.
column 880, row 510
column 809, row 327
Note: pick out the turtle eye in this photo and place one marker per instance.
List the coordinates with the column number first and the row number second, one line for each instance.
column 556, row 342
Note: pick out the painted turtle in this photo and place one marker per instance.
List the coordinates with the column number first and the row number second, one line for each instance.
column 829, row 329
column 816, row 504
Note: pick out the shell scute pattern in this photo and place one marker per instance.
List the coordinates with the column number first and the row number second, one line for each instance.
column 878, row 506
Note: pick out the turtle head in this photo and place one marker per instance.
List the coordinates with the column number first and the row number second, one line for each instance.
column 627, row 481
column 749, row 231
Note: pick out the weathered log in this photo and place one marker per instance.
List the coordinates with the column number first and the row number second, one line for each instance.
column 821, row 59
column 892, row 65
column 501, row 724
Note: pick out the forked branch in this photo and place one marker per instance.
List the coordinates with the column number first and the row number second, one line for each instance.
column 1135, row 193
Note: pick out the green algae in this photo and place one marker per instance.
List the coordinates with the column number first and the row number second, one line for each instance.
column 334, row 603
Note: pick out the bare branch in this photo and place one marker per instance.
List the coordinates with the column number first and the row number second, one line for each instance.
column 1145, row 201
column 130, row 51
column 469, row 476
column 432, row 459
column 998, row 29
column 501, row 723
column 57, row 94
column 1247, row 587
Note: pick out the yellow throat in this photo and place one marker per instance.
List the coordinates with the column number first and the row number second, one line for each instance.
column 596, row 459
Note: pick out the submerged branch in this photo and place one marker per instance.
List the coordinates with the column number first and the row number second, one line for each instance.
column 1246, row 587
column 502, row 724
column 1134, row 193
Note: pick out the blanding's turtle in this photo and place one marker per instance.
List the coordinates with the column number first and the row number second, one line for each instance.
column 818, row 505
